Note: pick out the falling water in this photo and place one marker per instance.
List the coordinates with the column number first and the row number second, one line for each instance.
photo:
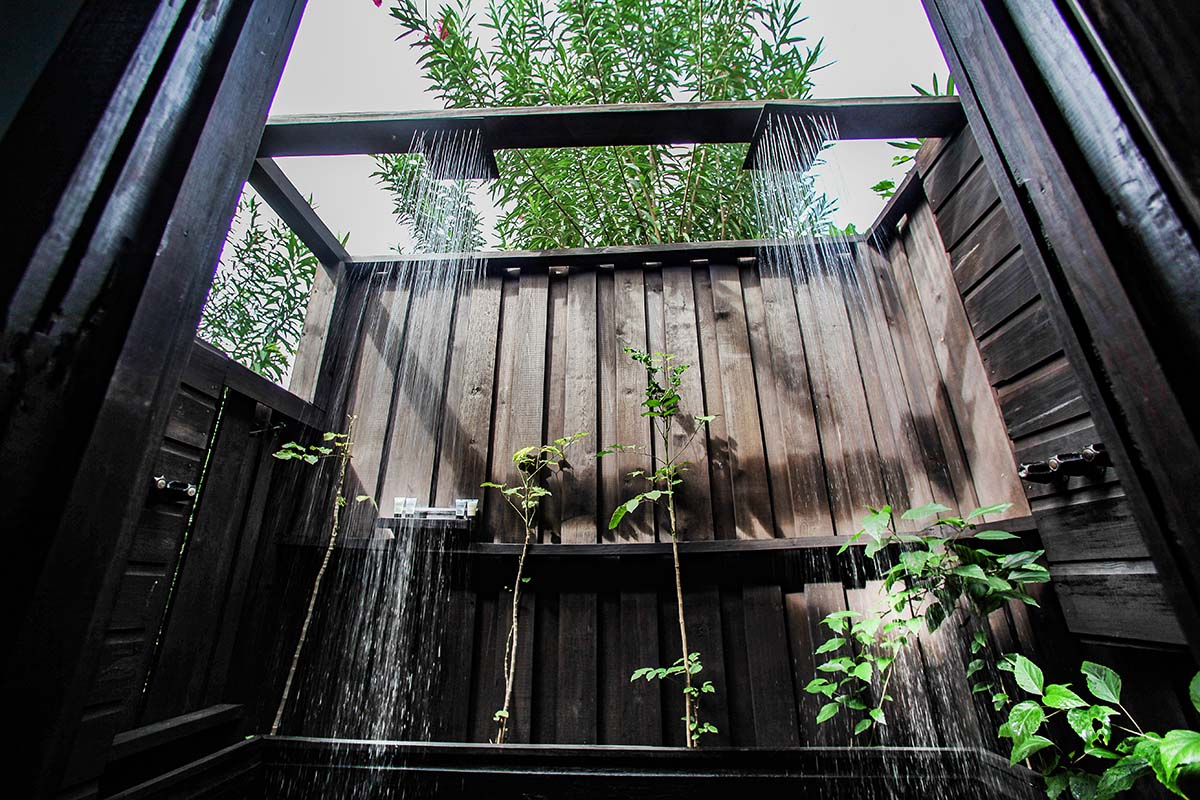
column 370, row 669
column 835, row 292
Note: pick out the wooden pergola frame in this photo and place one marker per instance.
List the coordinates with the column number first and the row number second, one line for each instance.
column 564, row 126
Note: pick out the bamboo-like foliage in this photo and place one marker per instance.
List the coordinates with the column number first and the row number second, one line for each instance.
column 572, row 52
column 255, row 309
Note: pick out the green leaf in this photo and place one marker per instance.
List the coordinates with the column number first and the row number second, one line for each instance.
column 1028, row 675
column 1025, row 719
column 878, row 715
column 1055, row 785
column 1027, row 747
column 1083, row 785
column 1102, row 682
column 1121, row 776
column 830, row 645
column 925, row 511
column 995, row 536
column 863, row 671
column 971, row 571
column 1060, row 696
column 1194, row 691
column 1179, row 749
column 827, row 712
column 999, row 508
column 863, row 725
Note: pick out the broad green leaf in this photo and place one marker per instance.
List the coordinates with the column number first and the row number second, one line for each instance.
column 831, row 645
column 1102, row 682
column 995, row 536
column 1028, row 675
column 1027, row 747
column 1194, row 691
column 878, row 715
column 1025, row 719
column 971, row 571
column 827, row 712
column 925, row 511
column 1055, row 784
column 1121, row 776
column 1083, row 785
column 1179, row 749
column 983, row 511
column 863, row 671
column 1060, row 696
column 863, row 725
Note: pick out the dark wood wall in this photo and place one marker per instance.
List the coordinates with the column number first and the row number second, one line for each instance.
column 1103, row 574
column 178, row 663
column 824, row 404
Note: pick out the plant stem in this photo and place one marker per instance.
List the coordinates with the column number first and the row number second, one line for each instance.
column 316, row 589
column 510, row 645
column 689, row 710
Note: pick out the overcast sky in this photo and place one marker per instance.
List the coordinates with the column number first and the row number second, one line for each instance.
column 346, row 59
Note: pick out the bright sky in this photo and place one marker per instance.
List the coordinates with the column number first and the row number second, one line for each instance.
column 346, row 59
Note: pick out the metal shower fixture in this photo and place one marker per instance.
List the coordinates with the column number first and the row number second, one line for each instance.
column 407, row 508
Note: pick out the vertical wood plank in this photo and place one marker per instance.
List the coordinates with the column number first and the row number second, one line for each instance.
column 768, row 655
column 466, row 426
column 580, row 484
column 720, row 457
column 941, row 453
column 694, row 506
column 641, row 704
column 628, row 322
column 784, row 497
column 851, row 459
column 804, row 611
column 751, row 493
column 798, row 423
column 558, row 338
column 577, row 679
column 985, row 439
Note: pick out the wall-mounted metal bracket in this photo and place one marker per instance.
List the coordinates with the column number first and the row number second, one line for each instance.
column 168, row 491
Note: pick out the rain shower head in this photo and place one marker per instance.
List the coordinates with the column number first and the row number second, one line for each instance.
column 788, row 138
column 457, row 150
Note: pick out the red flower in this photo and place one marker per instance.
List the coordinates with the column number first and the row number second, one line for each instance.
column 378, row 3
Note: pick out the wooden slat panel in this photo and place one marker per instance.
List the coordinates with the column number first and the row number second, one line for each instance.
column 1039, row 399
column 626, row 314
column 720, row 464
column 544, row 725
column 963, row 210
column 1001, row 294
column 417, row 404
column 694, row 506
column 771, row 688
column 384, row 321
column 798, row 424
column 805, row 610
column 751, row 494
column 702, row 610
column 987, row 445
column 737, row 691
column 1089, row 593
column 558, row 336
column 783, row 497
column 933, row 419
column 851, row 459
column 467, row 423
column 576, row 698
column 641, row 701
column 1024, row 341
column 989, row 243
column 1101, row 530
column 957, row 158
column 580, row 484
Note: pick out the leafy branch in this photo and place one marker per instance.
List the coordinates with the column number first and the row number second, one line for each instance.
column 936, row 569
column 1113, row 753
column 666, row 469
column 534, row 464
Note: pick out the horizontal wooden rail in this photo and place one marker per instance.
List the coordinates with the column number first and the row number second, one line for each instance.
column 566, row 259
column 255, row 386
column 138, row 740
column 605, row 125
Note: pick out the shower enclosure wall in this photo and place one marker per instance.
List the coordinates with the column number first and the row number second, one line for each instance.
column 990, row 318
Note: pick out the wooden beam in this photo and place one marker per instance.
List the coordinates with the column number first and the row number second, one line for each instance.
column 293, row 208
column 147, row 737
column 605, row 125
column 256, row 387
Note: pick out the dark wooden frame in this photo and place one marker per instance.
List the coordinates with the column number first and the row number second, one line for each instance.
column 1110, row 253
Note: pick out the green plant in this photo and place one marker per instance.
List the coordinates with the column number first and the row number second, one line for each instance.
column 338, row 446
column 665, row 473
column 1111, row 755
column 887, row 188
column 935, row 570
column 534, row 464
column 569, row 52
column 255, row 308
